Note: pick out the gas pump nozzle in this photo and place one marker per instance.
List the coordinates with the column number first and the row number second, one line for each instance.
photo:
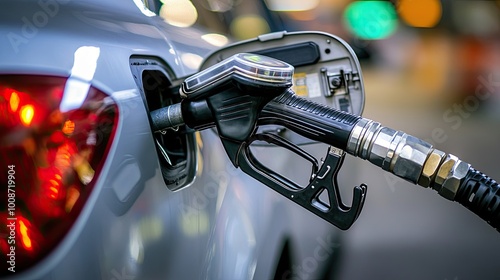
column 246, row 91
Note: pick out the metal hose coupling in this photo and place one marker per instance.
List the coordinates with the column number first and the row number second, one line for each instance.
column 407, row 157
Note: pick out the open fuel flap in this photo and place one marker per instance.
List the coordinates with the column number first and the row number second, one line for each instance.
column 326, row 70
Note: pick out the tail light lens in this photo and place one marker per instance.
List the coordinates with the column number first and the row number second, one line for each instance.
column 50, row 159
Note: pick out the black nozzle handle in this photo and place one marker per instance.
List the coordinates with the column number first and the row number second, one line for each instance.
column 309, row 119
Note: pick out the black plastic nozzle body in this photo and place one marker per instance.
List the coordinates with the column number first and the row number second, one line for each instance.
column 309, row 119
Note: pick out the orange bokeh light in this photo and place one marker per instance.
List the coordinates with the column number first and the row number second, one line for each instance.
column 26, row 240
column 14, row 101
column 420, row 13
column 68, row 127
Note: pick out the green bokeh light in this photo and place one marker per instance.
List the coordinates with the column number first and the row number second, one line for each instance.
column 371, row 20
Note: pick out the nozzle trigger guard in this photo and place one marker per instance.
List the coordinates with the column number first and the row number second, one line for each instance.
column 333, row 211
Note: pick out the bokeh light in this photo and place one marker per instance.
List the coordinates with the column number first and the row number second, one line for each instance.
column 421, row 13
column 249, row 26
column 371, row 20
column 181, row 13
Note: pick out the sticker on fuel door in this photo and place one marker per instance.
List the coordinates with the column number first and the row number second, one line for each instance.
column 307, row 85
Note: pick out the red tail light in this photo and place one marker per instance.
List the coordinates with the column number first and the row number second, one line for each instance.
column 50, row 157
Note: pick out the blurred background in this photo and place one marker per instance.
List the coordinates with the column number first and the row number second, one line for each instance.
column 432, row 69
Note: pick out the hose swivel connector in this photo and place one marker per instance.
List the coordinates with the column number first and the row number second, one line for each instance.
column 394, row 151
column 407, row 157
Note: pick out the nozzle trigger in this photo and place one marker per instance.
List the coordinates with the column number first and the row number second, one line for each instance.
column 333, row 210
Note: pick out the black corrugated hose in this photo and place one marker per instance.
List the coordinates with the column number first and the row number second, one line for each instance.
column 481, row 195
